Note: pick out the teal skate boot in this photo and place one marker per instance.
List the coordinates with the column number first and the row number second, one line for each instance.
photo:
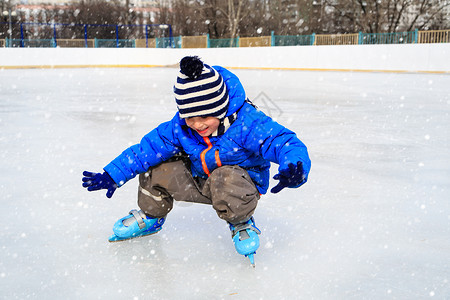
column 245, row 238
column 136, row 224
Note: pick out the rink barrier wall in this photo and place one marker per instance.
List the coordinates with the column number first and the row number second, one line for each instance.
column 412, row 58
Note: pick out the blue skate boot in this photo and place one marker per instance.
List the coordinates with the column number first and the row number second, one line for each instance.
column 245, row 238
column 136, row 224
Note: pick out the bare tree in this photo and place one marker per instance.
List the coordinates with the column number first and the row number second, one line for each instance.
column 216, row 24
column 103, row 17
column 384, row 15
column 232, row 18
column 293, row 17
column 165, row 11
column 425, row 13
column 235, row 13
column 221, row 18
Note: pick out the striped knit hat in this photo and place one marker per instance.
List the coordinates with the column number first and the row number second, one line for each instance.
column 200, row 90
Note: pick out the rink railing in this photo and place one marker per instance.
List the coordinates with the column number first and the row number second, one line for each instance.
column 411, row 37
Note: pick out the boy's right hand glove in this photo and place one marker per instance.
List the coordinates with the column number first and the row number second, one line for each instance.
column 98, row 181
column 292, row 177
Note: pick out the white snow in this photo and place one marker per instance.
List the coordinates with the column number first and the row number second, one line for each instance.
column 373, row 222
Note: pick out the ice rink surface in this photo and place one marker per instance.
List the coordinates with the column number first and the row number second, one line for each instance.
column 373, row 222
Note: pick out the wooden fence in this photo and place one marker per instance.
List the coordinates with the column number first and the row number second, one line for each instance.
column 336, row 39
column 434, row 36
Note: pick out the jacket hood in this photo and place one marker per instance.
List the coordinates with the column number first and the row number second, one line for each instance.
column 236, row 91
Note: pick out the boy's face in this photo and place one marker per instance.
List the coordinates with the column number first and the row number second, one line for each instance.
column 204, row 126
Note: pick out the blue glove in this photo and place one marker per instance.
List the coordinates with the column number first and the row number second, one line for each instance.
column 292, row 177
column 98, row 181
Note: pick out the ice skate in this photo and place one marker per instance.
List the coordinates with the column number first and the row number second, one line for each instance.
column 245, row 238
column 136, row 224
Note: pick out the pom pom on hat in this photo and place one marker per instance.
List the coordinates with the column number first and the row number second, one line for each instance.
column 191, row 66
column 200, row 90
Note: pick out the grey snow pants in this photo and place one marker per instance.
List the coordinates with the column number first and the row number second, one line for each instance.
column 229, row 190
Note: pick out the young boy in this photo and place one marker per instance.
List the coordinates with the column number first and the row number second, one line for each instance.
column 216, row 150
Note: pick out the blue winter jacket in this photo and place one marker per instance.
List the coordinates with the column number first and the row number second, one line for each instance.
column 252, row 142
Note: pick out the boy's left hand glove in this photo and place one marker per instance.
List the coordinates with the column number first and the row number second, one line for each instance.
column 292, row 177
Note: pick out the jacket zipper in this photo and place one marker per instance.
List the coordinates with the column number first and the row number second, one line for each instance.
column 203, row 155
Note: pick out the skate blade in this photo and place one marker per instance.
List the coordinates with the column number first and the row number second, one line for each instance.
column 114, row 238
column 251, row 257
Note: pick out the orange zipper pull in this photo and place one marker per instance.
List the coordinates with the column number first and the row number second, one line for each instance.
column 203, row 154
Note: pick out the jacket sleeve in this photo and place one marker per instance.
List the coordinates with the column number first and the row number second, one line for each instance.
column 155, row 147
column 275, row 142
